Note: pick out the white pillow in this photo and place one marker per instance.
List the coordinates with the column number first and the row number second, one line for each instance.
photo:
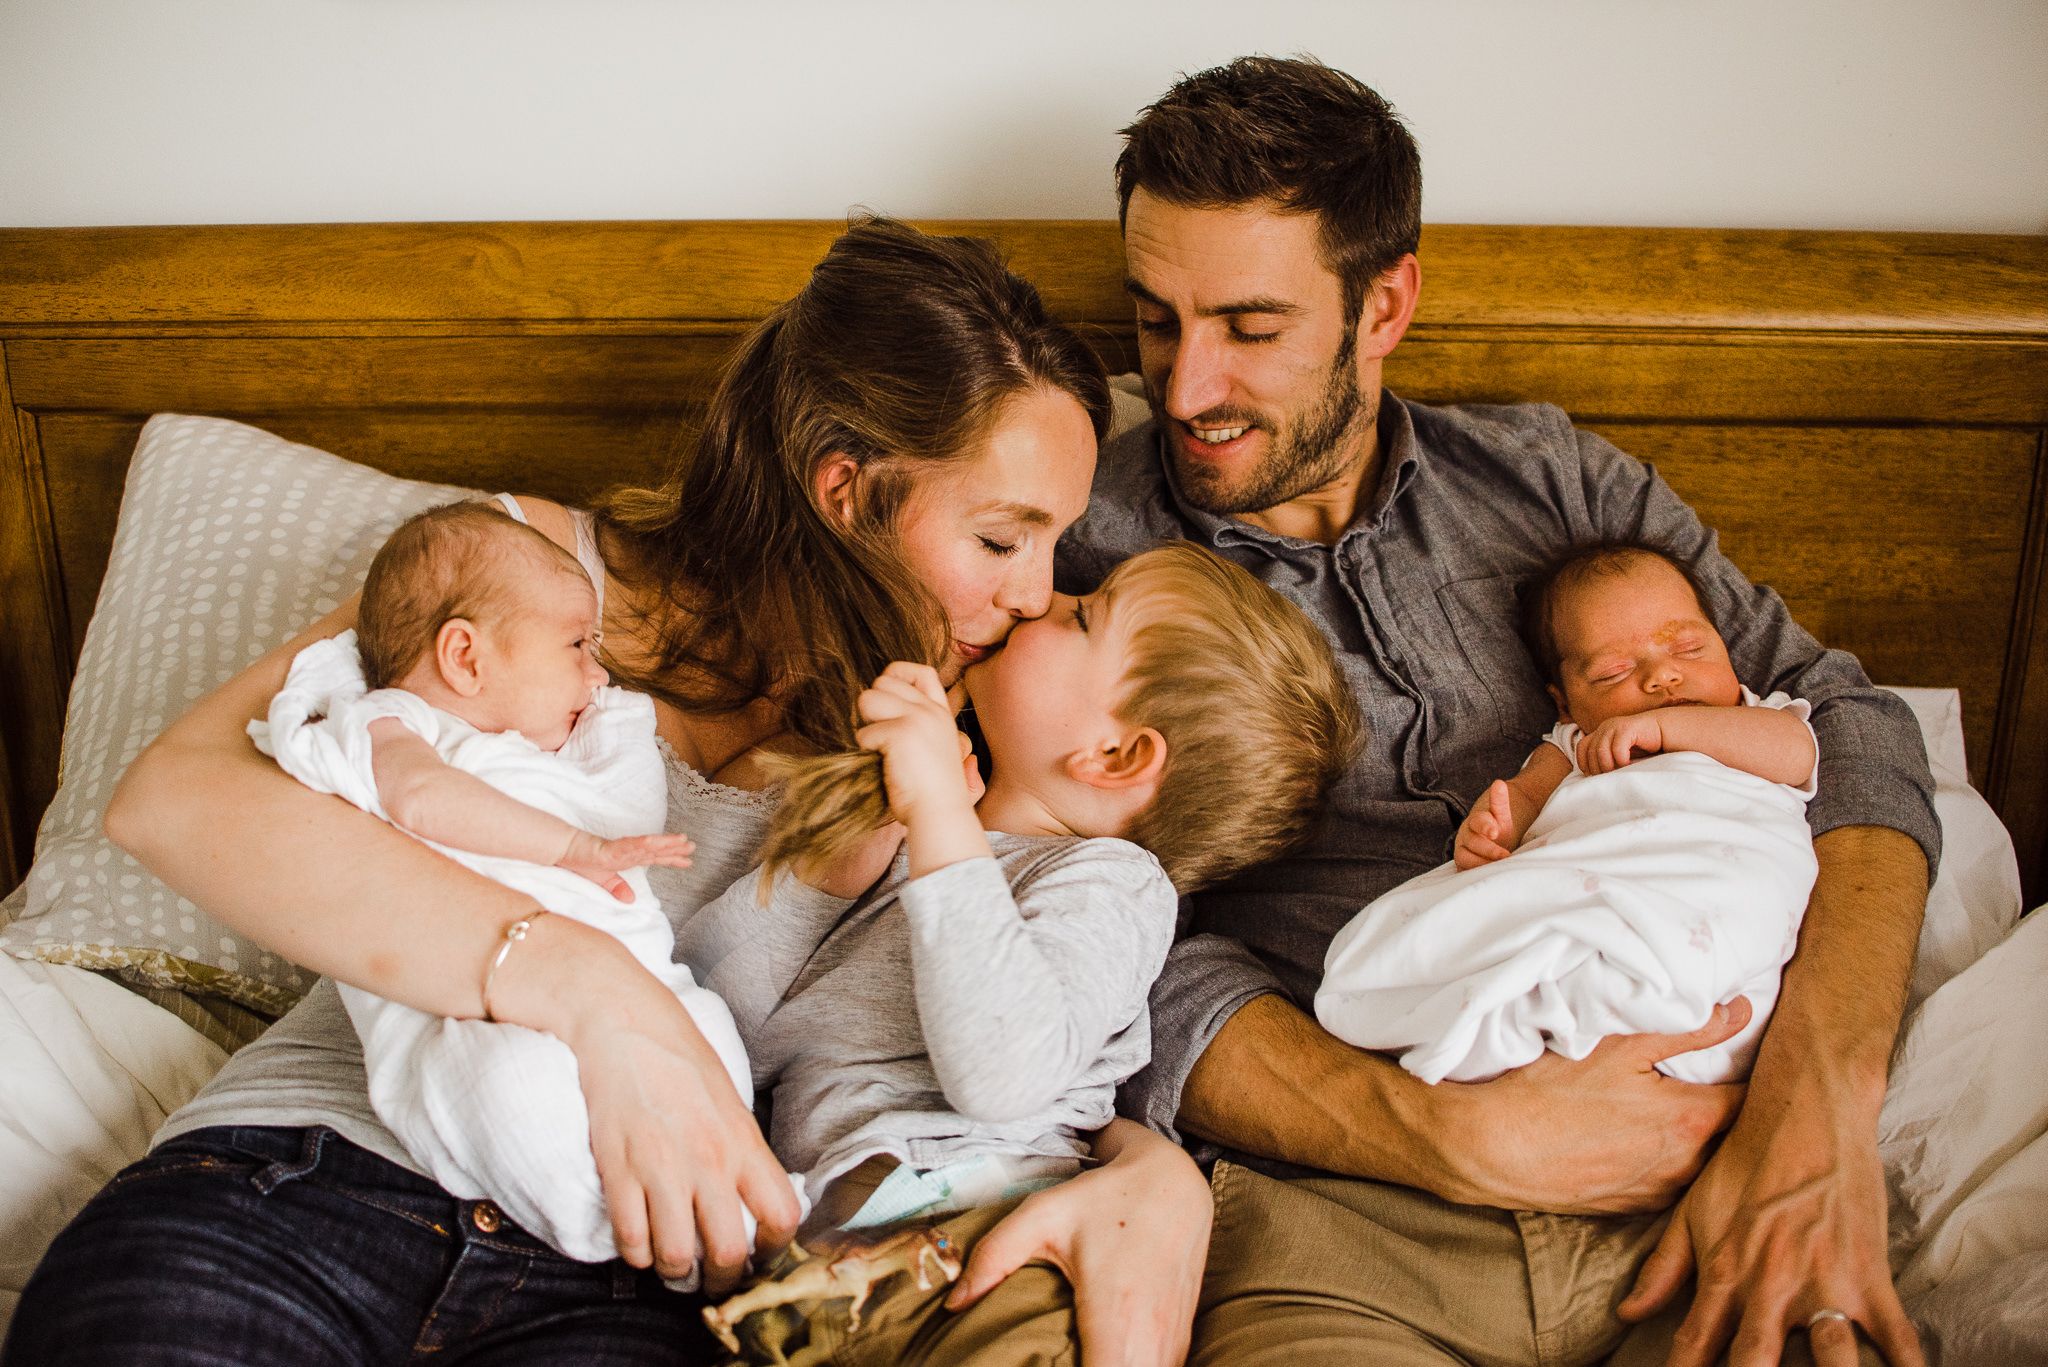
column 230, row 541
column 1975, row 899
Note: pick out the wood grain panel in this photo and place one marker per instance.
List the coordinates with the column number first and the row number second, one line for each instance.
column 1729, row 278
column 403, row 271
column 35, row 656
column 1764, row 379
column 723, row 270
column 2018, row 781
column 276, row 374
column 1902, row 547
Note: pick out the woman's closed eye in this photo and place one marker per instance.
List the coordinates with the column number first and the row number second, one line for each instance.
column 999, row 548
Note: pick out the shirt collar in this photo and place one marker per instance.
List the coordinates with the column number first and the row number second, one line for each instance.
column 1403, row 456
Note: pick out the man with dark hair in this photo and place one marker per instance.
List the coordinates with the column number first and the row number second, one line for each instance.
column 1271, row 210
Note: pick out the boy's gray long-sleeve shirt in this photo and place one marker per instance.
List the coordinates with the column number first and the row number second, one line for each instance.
column 991, row 1006
column 1419, row 600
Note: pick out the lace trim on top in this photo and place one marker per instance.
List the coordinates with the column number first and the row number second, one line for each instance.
column 710, row 789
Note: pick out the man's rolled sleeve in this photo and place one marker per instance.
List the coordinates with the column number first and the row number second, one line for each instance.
column 1206, row 979
column 1869, row 776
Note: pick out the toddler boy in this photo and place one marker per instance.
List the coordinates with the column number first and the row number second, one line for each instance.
column 944, row 1039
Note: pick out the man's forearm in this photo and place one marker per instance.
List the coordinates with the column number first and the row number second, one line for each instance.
column 1603, row 1135
column 1844, row 991
column 1275, row 1083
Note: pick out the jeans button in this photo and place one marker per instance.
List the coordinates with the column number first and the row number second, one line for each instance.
column 486, row 1218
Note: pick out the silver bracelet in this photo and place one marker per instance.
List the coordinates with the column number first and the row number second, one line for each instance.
column 514, row 933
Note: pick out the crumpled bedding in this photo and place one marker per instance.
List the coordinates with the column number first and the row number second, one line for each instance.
column 88, row 1071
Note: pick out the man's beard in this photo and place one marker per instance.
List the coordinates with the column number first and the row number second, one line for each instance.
column 1310, row 456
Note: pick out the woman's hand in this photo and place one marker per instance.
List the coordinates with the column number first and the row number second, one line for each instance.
column 1131, row 1237
column 677, row 1153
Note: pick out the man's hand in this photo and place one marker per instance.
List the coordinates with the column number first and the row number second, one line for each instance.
column 602, row 861
column 1786, row 1220
column 1489, row 831
column 1789, row 1216
column 1605, row 1135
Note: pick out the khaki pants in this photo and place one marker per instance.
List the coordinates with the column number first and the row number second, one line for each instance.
column 1028, row 1320
column 1332, row 1270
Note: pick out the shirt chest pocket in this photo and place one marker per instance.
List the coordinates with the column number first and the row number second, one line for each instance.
column 1481, row 672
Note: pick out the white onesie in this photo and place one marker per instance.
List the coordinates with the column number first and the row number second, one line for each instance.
column 491, row 1109
column 1638, row 900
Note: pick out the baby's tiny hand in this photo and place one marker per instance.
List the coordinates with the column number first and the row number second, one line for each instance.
column 1489, row 830
column 1620, row 741
column 601, row 861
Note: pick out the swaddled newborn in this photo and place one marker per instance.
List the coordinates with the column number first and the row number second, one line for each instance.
column 1651, row 860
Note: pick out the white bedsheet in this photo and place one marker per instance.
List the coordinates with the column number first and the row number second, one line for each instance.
column 88, row 1070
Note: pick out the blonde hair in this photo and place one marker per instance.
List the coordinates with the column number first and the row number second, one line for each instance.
column 1257, row 719
column 447, row 562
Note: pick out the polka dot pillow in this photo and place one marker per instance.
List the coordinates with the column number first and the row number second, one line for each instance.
column 230, row 541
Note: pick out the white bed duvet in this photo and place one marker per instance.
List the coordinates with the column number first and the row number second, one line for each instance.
column 88, row 1070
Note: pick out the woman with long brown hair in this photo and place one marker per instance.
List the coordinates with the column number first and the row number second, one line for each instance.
column 885, row 468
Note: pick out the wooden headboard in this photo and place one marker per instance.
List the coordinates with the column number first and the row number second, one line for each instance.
column 1861, row 415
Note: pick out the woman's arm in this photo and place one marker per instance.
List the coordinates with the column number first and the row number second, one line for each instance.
column 344, row 894
column 1131, row 1237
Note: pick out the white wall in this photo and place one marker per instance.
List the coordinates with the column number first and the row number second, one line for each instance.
column 1892, row 114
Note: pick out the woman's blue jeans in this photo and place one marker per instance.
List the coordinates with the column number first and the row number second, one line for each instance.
column 267, row 1247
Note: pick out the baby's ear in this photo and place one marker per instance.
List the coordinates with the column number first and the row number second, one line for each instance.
column 1136, row 758
column 1564, row 713
column 458, row 654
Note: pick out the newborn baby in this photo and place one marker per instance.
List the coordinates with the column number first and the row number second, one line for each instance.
column 468, row 708
column 1651, row 859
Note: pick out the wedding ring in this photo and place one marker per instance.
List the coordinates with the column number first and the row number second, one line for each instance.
column 1820, row 1315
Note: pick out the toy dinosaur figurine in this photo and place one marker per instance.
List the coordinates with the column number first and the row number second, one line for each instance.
column 852, row 1271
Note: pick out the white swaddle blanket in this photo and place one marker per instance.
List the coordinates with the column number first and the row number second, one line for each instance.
column 490, row 1109
column 1638, row 900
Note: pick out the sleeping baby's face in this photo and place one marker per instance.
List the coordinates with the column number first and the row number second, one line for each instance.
column 1636, row 641
column 542, row 663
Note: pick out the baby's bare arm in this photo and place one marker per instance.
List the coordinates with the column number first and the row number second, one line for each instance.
column 436, row 801
column 1764, row 741
column 1494, row 828
column 1529, row 790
